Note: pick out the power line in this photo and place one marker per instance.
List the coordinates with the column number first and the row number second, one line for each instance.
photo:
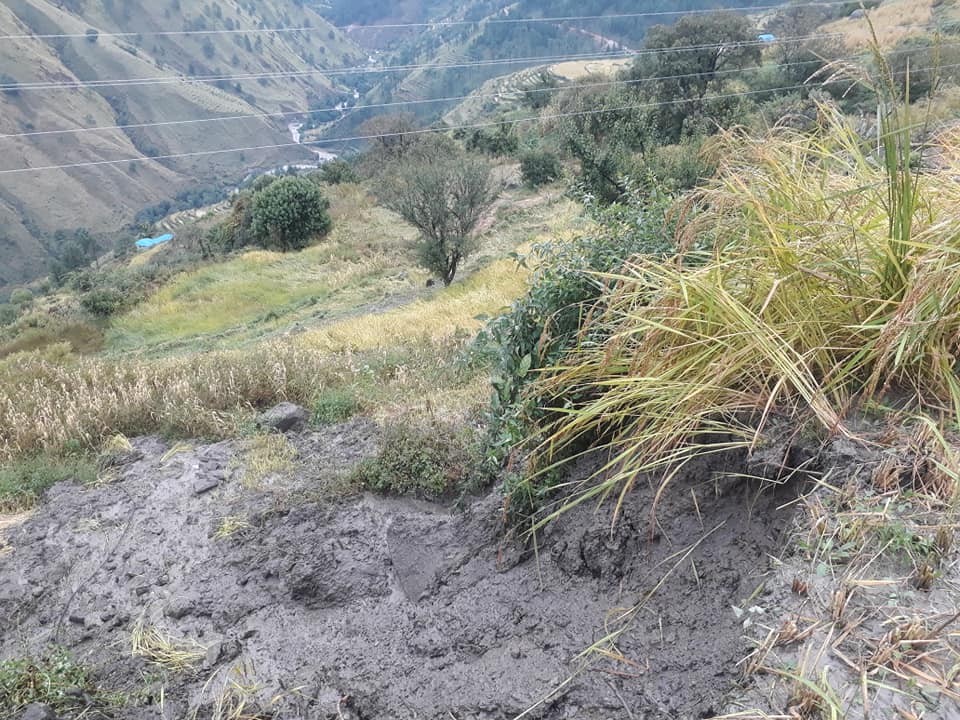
column 331, row 72
column 376, row 136
column 406, row 103
column 366, row 69
column 439, row 23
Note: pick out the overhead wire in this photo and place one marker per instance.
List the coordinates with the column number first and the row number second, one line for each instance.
column 398, row 26
column 368, row 69
column 408, row 103
column 376, row 136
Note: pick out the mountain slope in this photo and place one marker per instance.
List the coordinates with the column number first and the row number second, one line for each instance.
column 34, row 205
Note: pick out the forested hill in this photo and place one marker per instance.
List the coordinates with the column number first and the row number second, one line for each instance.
column 158, row 39
column 484, row 36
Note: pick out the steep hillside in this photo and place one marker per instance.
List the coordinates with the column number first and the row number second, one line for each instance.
column 485, row 30
column 33, row 205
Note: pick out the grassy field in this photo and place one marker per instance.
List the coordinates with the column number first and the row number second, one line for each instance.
column 219, row 341
column 893, row 21
column 364, row 266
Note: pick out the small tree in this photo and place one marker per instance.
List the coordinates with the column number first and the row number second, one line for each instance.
column 289, row 213
column 443, row 193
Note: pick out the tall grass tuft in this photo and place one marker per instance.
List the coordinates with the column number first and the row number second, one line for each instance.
column 831, row 278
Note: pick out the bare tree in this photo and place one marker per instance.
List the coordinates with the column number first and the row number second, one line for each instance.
column 443, row 193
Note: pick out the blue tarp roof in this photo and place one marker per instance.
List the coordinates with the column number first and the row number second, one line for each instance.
column 150, row 242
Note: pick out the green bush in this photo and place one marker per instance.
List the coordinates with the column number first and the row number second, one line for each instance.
column 336, row 172
column 289, row 213
column 24, row 482
column 420, row 456
column 21, row 296
column 544, row 324
column 539, row 167
column 8, row 314
column 104, row 302
column 335, row 405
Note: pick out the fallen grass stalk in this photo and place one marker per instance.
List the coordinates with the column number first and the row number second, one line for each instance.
column 161, row 648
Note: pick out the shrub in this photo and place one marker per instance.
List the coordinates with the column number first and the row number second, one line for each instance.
column 335, row 405
column 21, row 296
column 104, row 302
column 443, row 194
column 289, row 213
column 417, row 455
column 539, row 167
column 336, row 172
column 8, row 313
column 830, row 282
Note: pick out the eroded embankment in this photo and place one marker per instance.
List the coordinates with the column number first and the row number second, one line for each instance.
column 280, row 598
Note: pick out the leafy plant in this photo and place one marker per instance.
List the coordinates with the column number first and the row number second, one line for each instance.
column 539, row 167
column 417, row 455
column 334, row 405
column 568, row 286
column 53, row 680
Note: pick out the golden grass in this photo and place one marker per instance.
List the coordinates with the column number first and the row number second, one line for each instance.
column 163, row 649
column 45, row 405
column 231, row 525
column 893, row 21
column 581, row 69
column 266, row 457
column 484, row 293
column 825, row 282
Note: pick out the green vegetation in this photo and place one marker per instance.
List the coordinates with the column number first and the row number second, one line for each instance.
column 335, row 405
column 539, row 167
column 23, row 482
column 289, row 213
column 418, row 455
column 336, row 172
column 55, row 679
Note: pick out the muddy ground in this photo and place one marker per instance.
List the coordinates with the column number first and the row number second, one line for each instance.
column 306, row 606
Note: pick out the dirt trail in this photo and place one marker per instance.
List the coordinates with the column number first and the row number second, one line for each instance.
column 378, row 607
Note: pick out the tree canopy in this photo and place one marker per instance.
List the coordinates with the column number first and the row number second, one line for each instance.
column 443, row 193
column 289, row 213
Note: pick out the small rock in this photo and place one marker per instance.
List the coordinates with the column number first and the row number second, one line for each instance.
column 285, row 417
column 205, row 484
column 178, row 608
column 77, row 619
column 38, row 711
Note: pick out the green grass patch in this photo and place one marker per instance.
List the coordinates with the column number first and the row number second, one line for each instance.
column 335, row 405
column 55, row 679
column 23, row 483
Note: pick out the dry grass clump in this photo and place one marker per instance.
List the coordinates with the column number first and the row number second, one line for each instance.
column 266, row 457
column 817, row 277
column 161, row 648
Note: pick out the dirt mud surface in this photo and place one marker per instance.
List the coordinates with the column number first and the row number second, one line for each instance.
column 298, row 605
